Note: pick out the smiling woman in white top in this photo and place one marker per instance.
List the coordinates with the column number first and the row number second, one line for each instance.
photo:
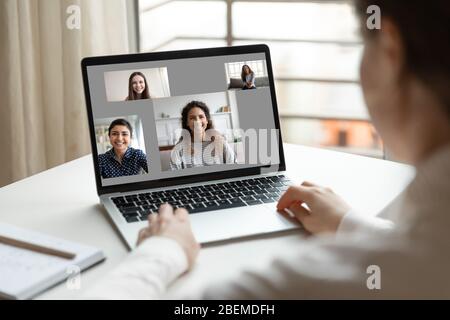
column 405, row 77
column 200, row 144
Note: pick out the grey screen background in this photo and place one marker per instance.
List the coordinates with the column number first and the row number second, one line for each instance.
column 186, row 77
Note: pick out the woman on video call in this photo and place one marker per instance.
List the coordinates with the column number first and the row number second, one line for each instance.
column 192, row 150
column 405, row 77
column 248, row 77
column 137, row 87
column 121, row 160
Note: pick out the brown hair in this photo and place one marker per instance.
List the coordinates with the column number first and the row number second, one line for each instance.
column 424, row 27
column 133, row 95
column 250, row 71
column 185, row 112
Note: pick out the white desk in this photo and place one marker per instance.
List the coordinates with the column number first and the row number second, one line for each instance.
column 63, row 202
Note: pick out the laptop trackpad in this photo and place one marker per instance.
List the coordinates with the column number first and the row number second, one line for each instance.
column 239, row 222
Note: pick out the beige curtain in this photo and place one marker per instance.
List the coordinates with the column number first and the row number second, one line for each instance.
column 43, row 120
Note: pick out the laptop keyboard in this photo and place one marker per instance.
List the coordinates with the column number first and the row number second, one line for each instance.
column 211, row 197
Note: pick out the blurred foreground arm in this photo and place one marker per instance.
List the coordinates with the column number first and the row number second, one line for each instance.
column 166, row 249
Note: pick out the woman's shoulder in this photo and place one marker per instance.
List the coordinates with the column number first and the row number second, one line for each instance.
column 136, row 151
column 102, row 157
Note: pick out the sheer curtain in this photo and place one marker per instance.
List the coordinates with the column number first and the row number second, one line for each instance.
column 43, row 120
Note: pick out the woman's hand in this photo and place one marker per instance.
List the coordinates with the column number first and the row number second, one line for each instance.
column 324, row 209
column 172, row 225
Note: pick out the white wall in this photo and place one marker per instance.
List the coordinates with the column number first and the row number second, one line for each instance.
column 116, row 83
column 234, row 109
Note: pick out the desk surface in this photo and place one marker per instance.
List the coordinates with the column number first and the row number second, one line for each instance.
column 63, row 202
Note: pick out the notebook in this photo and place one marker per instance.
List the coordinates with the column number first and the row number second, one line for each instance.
column 25, row 273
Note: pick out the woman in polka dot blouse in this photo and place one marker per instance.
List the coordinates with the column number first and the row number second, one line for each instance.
column 121, row 160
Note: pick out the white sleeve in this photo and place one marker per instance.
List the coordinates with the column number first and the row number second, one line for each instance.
column 229, row 154
column 356, row 223
column 145, row 273
column 324, row 267
column 176, row 161
column 148, row 270
column 330, row 269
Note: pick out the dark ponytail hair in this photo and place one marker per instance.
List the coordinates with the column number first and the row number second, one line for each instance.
column 424, row 27
column 120, row 122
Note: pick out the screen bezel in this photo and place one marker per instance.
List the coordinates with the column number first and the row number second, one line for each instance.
column 171, row 55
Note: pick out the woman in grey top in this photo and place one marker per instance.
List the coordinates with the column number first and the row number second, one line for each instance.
column 200, row 144
column 248, row 77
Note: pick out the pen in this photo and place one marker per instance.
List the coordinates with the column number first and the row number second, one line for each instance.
column 36, row 248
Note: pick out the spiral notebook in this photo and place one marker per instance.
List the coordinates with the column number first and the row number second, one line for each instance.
column 25, row 273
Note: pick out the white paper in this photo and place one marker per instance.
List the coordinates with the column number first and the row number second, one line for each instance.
column 24, row 273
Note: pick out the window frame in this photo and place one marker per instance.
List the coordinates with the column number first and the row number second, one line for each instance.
column 230, row 39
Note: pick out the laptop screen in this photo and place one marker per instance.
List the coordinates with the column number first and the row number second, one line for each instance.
column 157, row 120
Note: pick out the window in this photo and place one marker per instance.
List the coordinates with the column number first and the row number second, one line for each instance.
column 258, row 67
column 315, row 48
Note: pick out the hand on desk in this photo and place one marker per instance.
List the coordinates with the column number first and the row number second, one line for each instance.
column 324, row 211
column 324, row 214
column 173, row 225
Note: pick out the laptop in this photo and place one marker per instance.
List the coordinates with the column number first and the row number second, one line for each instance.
column 198, row 129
